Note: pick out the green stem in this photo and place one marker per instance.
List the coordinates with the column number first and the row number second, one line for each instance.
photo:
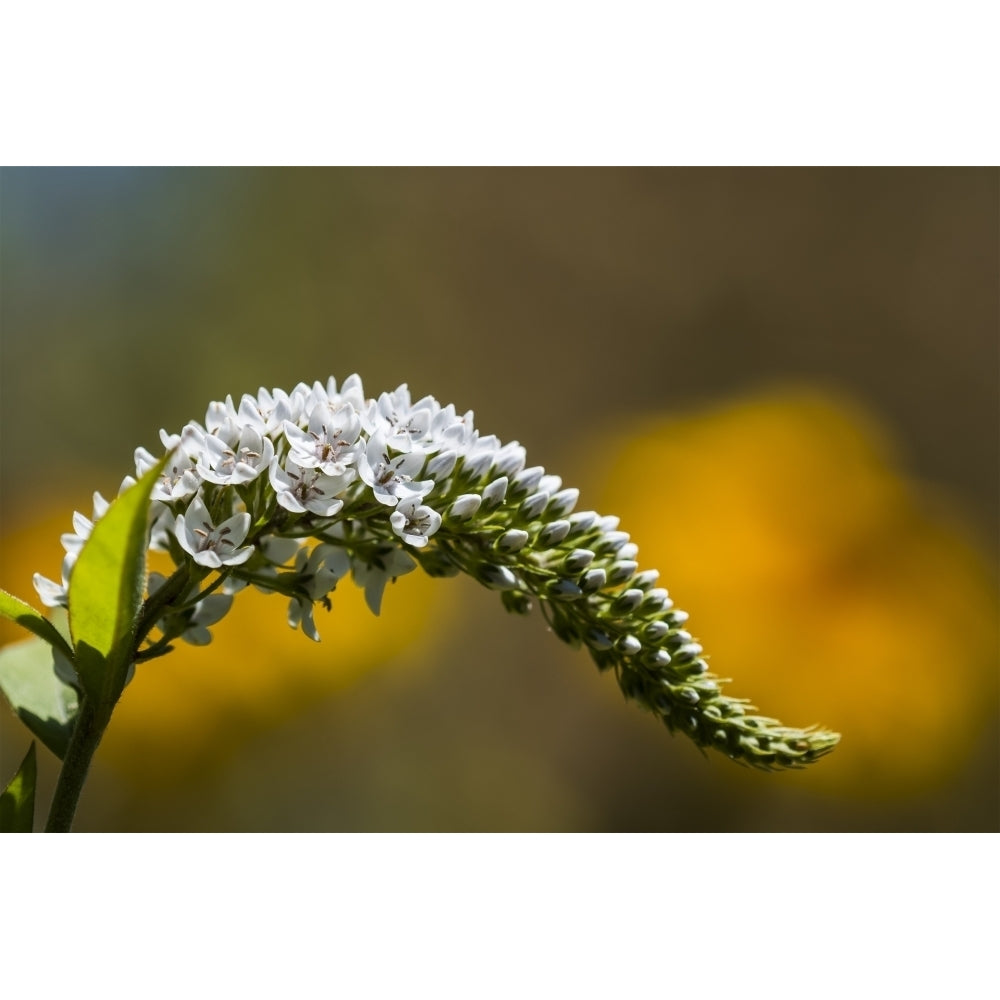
column 87, row 734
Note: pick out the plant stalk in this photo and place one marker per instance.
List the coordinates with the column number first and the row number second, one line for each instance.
column 86, row 736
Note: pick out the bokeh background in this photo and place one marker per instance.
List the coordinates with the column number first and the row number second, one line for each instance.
column 784, row 381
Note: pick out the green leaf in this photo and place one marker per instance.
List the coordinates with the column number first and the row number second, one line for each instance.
column 43, row 702
column 17, row 804
column 105, row 591
column 26, row 616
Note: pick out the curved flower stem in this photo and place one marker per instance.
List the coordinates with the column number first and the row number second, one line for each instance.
column 86, row 736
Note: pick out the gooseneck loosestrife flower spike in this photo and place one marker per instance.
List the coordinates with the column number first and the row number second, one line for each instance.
column 291, row 492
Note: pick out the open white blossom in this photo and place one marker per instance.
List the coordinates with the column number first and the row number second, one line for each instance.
column 235, row 464
column 210, row 545
column 414, row 523
column 300, row 490
column 329, row 443
column 318, row 572
column 392, row 479
column 387, row 563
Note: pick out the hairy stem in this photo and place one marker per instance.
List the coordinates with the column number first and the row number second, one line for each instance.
column 87, row 733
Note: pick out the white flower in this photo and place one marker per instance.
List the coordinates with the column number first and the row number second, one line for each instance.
column 278, row 550
column 209, row 545
column 509, row 459
column 208, row 611
column 404, row 426
column 450, row 430
column 180, row 478
column 51, row 594
column 391, row 479
column 388, row 563
column 298, row 489
column 318, row 572
column 331, row 441
column 480, row 455
column 235, row 464
column 268, row 412
column 414, row 523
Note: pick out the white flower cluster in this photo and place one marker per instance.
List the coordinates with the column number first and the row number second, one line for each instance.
column 291, row 492
column 281, row 467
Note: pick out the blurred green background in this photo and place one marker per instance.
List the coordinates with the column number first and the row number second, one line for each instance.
column 785, row 381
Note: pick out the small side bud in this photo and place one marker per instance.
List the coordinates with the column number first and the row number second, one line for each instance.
column 593, row 580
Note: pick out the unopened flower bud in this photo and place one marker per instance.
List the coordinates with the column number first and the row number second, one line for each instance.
column 526, row 481
column 687, row 652
column 499, row 577
column 627, row 602
column 582, row 521
column 533, row 506
column 611, row 541
column 516, row 601
column 562, row 503
column 553, row 533
column 593, row 580
column 629, row 645
column 441, row 465
column 656, row 630
column 598, row 640
column 465, row 507
column 494, row 494
column 563, row 590
column 509, row 459
column 656, row 600
column 577, row 560
column 513, row 540
column 622, row 571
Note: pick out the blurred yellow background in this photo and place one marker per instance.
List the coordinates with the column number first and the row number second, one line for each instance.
column 783, row 381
